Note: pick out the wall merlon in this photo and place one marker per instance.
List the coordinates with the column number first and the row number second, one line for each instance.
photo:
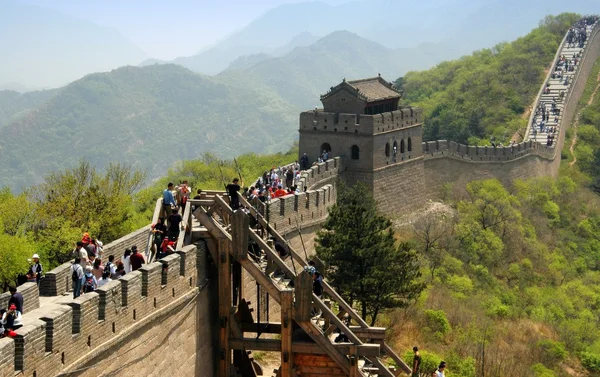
column 151, row 278
column 61, row 332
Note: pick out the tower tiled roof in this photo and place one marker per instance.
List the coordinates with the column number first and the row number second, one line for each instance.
column 370, row 90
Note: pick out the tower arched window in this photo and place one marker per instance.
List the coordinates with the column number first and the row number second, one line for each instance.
column 409, row 146
column 354, row 152
column 325, row 147
column 402, row 146
column 387, row 149
column 395, row 149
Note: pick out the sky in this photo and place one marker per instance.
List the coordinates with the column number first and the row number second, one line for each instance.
column 153, row 25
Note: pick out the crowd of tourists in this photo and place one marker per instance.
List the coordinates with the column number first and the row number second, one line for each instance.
column 89, row 272
column 577, row 34
column 547, row 113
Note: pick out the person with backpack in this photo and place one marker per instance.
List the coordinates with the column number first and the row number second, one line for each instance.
column 77, row 277
column 110, row 268
column 89, row 281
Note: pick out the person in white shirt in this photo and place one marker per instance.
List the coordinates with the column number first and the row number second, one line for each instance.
column 441, row 369
column 12, row 319
column 77, row 277
column 105, row 279
column 82, row 254
column 125, row 260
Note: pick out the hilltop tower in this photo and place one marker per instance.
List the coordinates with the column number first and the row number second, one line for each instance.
column 381, row 142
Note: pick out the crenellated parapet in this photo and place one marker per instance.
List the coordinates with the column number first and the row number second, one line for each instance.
column 58, row 280
column 321, row 174
column 360, row 124
column 451, row 149
column 64, row 334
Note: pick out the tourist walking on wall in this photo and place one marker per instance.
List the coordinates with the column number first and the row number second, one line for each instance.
column 81, row 253
column 168, row 200
column 11, row 321
column 126, row 261
column 304, row 162
column 15, row 298
column 174, row 221
column 232, row 190
column 136, row 259
column 35, row 270
column 77, row 277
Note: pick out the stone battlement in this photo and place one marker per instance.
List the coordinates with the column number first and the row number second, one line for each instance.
column 444, row 148
column 361, row 124
column 64, row 334
column 58, row 280
column 321, row 174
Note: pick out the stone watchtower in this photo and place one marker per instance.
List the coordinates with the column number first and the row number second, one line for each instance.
column 380, row 141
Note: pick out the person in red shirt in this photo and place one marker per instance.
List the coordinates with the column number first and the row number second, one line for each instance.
column 280, row 192
column 136, row 259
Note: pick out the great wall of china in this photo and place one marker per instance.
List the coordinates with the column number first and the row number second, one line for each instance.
column 197, row 312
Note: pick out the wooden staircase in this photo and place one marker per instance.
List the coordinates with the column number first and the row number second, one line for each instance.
column 361, row 356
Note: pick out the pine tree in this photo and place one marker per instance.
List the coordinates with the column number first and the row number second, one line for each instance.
column 362, row 260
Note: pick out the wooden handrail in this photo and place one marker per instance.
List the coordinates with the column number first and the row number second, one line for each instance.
column 274, row 255
column 394, row 356
column 187, row 213
column 336, row 321
column 155, row 216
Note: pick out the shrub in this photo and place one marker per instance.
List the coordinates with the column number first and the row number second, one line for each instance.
column 436, row 321
column 590, row 361
column 553, row 351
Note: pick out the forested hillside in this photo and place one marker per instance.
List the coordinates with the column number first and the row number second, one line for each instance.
column 150, row 117
column 13, row 105
column 483, row 97
column 513, row 273
column 155, row 115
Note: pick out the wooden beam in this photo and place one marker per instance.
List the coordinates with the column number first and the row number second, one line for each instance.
column 211, row 243
column 265, row 328
column 261, row 278
column 287, row 328
column 187, row 216
column 211, row 225
column 303, row 287
column 331, row 328
column 272, row 254
column 353, row 357
column 385, row 348
column 336, row 321
column 224, row 267
column 274, row 345
column 316, row 335
column 239, row 234
column 375, row 333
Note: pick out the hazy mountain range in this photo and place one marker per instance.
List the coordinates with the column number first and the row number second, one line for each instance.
column 155, row 115
column 46, row 49
column 42, row 48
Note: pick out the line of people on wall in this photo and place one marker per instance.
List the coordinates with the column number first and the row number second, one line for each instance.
column 88, row 271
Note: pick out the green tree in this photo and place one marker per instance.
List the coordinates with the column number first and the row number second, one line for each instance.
column 81, row 200
column 362, row 261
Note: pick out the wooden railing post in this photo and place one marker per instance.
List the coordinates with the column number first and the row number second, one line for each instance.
column 304, row 295
column 239, row 234
column 224, row 264
column 287, row 329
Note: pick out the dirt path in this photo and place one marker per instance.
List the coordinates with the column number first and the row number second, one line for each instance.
column 576, row 123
